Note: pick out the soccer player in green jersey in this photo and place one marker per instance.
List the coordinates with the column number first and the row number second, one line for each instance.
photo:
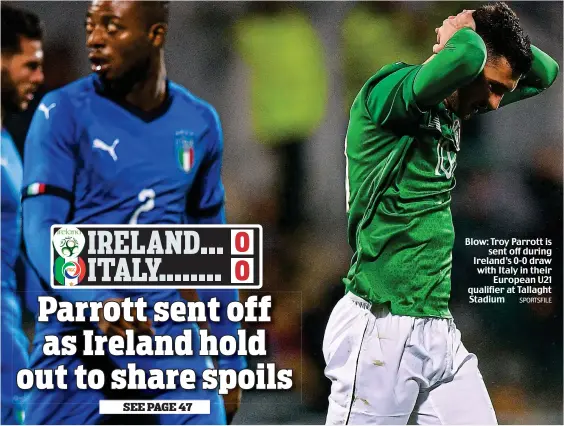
column 392, row 350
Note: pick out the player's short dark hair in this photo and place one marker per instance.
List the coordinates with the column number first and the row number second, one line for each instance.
column 501, row 31
column 155, row 11
column 18, row 23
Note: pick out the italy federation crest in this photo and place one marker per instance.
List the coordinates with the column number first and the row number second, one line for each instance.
column 185, row 152
column 69, row 269
column 69, row 272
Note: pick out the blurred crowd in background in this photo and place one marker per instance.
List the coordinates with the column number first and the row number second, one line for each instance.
column 282, row 77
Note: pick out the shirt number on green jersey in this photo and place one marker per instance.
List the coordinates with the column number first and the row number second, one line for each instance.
column 446, row 158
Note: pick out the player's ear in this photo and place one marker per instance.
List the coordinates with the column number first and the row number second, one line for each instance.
column 5, row 61
column 157, row 34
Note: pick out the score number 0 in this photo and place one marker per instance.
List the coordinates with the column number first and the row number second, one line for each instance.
column 242, row 244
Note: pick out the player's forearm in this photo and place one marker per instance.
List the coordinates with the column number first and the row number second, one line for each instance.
column 39, row 214
column 459, row 63
column 543, row 73
column 224, row 327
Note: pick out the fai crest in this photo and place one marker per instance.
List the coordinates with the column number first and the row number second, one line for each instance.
column 185, row 152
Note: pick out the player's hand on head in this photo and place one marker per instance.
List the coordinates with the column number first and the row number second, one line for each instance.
column 119, row 327
column 232, row 402
column 451, row 25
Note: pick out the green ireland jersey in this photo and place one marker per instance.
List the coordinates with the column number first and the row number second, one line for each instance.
column 400, row 164
column 400, row 174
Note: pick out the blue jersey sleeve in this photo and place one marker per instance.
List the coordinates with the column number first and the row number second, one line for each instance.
column 50, row 149
column 205, row 203
column 48, row 181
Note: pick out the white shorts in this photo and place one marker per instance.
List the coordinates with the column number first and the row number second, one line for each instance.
column 392, row 369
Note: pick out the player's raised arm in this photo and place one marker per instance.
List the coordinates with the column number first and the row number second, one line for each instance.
column 543, row 73
column 48, row 184
column 460, row 56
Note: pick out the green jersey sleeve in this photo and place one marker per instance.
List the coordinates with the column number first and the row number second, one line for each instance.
column 391, row 99
column 458, row 64
column 544, row 71
column 405, row 94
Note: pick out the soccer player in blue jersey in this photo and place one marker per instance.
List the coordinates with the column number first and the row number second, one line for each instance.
column 22, row 74
column 124, row 145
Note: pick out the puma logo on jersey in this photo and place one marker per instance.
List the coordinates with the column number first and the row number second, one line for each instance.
column 46, row 109
column 100, row 144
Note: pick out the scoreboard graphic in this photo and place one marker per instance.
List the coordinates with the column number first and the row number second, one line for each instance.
column 156, row 256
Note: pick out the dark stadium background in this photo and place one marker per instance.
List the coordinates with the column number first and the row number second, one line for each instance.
column 288, row 174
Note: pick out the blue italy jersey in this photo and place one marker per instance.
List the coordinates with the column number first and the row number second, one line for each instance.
column 116, row 165
column 110, row 163
column 121, row 166
column 14, row 342
column 11, row 213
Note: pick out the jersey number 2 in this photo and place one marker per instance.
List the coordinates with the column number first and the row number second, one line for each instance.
column 147, row 197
